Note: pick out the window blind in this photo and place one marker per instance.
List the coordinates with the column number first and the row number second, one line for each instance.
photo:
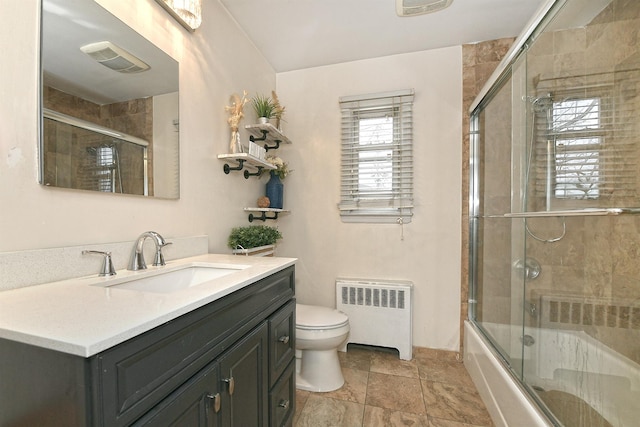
column 584, row 146
column 377, row 157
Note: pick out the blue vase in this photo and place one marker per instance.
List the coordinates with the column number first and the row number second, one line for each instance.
column 275, row 191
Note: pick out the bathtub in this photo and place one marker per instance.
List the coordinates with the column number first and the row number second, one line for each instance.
column 568, row 361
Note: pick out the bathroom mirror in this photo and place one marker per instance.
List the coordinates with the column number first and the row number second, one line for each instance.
column 109, row 105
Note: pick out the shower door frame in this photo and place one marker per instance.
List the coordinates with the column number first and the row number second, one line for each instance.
column 495, row 81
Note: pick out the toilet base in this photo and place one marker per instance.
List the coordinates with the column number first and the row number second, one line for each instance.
column 319, row 371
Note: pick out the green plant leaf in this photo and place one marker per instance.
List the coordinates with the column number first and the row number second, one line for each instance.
column 263, row 106
column 253, row 236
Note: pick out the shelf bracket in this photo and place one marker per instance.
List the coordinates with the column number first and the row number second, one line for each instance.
column 262, row 138
column 228, row 168
column 267, row 147
column 247, row 174
column 272, row 147
column 263, row 217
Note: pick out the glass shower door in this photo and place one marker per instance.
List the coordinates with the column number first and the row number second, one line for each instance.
column 496, row 300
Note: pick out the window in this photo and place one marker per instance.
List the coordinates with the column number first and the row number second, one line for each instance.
column 377, row 163
column 578, row 137
column 105, row 160
column 585, row 151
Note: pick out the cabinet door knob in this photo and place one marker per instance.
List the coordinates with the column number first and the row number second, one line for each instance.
column 284, row 404
column 231, row 383
column 284, row 339
column 216, row 401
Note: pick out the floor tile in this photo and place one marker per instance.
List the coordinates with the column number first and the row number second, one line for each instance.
column 322, row 411
column 355, row 358
column 354, row 388
column 444, row 370
column 454, row 402
column 390, row 364
column 380, row 417
column 432, row 390
column 394, row 392
column 301, row 399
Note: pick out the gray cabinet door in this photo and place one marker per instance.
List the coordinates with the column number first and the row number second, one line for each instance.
column 195, row 404
column 282, row 347
column 244, row 376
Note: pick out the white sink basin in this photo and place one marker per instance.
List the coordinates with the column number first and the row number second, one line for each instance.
column 177, row 280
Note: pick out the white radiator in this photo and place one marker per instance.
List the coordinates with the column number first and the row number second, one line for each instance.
column 379, row 313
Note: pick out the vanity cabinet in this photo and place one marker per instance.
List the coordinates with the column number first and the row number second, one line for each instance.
column 228, row 392
column 228, row 363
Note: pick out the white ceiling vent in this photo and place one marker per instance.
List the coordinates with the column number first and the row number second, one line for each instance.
column 114, row 57
column 418, row 7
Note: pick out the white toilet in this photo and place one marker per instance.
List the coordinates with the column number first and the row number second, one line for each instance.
column 319, row 333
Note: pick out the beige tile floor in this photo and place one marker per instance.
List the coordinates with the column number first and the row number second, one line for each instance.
column 432, row 390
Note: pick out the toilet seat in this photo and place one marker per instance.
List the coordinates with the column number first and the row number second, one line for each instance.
column 310, row 318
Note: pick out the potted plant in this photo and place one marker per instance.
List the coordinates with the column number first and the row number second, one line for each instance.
column 264, row 108
column 256, row 240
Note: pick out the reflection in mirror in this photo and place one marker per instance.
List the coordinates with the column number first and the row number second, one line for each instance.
column 109, row 105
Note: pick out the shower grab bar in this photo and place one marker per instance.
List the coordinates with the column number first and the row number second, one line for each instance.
column 574, row 212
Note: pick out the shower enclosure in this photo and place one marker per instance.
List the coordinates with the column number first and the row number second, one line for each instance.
column 87, row 156
column 555, row 217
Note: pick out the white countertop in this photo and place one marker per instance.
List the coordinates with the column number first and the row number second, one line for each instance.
column 85, row 316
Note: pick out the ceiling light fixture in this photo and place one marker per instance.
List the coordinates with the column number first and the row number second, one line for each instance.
column 187, row 12
column 419, row 7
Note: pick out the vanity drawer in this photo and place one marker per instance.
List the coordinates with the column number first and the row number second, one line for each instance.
column 282, row 330
column 136, row 375
column 282, row 399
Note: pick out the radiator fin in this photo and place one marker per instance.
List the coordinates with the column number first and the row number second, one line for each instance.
column 579, row 311
column 388, row 298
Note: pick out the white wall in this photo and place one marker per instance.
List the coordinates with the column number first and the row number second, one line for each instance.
column 429, row 255
column 215, row 61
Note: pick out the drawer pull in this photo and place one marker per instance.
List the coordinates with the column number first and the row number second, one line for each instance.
column 284, row 404
column 216, row 401
column 231, row 383
column 284, row 339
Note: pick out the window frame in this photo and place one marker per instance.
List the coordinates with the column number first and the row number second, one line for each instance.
column 358, row 204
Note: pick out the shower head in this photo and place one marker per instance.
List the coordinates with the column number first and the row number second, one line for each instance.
column 542, row 103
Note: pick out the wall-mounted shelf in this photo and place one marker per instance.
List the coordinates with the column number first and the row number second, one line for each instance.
column 264, row 212
column 243, row 158
column 267, row 133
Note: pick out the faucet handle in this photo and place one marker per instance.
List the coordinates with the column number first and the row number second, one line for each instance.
column 107, row 265
column 159, row 258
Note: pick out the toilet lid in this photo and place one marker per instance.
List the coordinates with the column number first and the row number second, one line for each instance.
column 315, row 317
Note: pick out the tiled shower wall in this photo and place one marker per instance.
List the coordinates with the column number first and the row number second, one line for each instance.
column 134, row 117
column 478, row 63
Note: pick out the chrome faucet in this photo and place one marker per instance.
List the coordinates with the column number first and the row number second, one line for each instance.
column 107, row 265
column 137, row 257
